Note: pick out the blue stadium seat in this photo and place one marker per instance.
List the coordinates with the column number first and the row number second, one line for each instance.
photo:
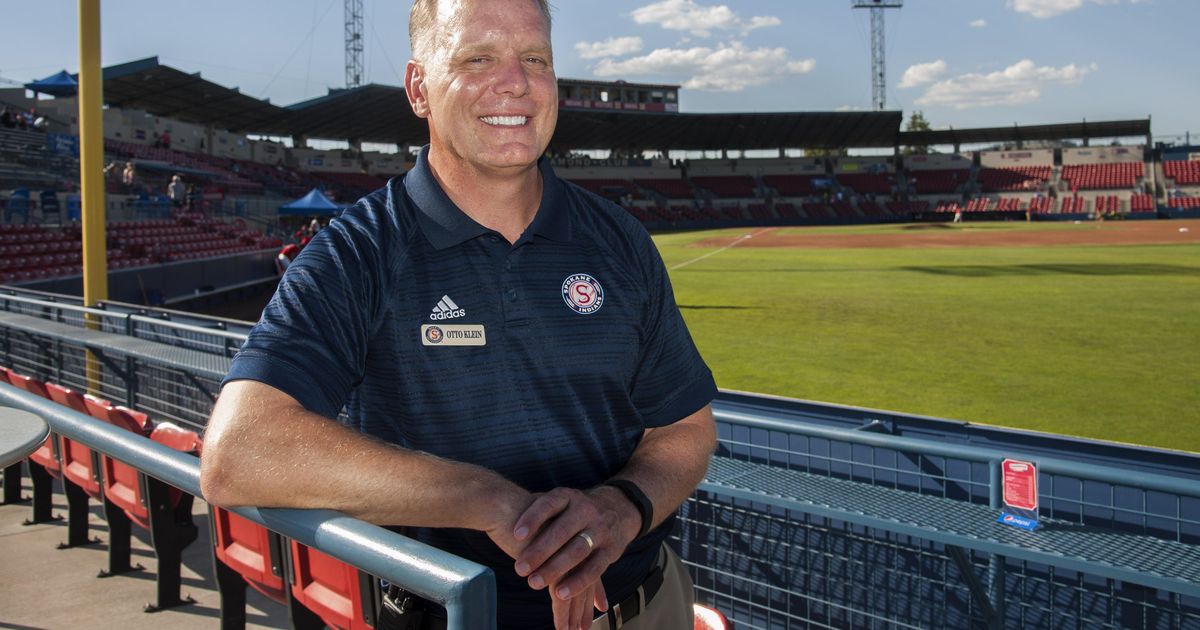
column 18, row 204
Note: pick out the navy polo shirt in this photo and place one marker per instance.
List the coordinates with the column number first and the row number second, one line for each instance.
column 543, row 360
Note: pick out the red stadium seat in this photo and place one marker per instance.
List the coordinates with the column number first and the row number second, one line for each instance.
column 131, row 497
column 245, row 553
column 708, row 618
column 80, row 471
column 341, row 595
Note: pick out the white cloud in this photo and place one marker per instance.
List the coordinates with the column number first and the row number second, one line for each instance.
column 1017, row 84
column 922, row 73
column 699, row 20
column 980, row 23
column 1043, row 9
column 727, row 68
column 611, row 47
column 853, row 108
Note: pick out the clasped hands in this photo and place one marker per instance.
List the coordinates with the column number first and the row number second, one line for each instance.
column 564, row 540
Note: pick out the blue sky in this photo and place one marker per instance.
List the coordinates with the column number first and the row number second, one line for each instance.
column 964, row 63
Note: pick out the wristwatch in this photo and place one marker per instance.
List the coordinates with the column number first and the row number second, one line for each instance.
column 638, row 499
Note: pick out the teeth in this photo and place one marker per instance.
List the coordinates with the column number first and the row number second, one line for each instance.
column 505, row 121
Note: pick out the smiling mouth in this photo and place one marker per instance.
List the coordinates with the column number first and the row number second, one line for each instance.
column 505, row 121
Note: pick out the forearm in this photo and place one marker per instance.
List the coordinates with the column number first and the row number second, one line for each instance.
column 669, row 463
column 263, row 449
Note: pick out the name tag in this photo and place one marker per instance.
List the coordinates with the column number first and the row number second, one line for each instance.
column 453, row 335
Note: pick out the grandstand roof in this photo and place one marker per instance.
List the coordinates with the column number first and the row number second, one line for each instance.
column 164, row 91
column 593, row 129
column 380, row 113
column 1082, row 130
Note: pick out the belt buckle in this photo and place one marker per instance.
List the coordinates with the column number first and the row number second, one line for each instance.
column 617, row 619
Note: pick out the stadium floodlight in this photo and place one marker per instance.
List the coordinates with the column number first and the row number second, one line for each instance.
column 878, row 65
column 354, row 43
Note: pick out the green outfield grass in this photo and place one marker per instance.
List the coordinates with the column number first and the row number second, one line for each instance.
column 1093, row 341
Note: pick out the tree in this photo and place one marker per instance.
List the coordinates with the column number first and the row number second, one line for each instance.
column 917, row 122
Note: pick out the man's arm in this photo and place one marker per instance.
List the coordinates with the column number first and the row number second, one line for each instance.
column 667, row 465
column 263, row 448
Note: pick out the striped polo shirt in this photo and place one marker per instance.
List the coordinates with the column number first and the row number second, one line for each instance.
column 543, row 360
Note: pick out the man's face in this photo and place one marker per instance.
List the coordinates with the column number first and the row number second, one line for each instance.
column 485, row 82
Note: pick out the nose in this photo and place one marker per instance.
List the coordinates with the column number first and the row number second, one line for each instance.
column 511, row 78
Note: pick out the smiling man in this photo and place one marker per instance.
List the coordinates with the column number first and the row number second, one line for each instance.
column 520, row 387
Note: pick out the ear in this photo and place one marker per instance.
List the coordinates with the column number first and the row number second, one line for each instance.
column 414, row 87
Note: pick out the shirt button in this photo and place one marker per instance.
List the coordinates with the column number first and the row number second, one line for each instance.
column 512, row 295
column 493, row 238
column 508, row 265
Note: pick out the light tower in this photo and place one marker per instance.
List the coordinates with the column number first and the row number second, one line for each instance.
column 354, row 43
column 878, row 54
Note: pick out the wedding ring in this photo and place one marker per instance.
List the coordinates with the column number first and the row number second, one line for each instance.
column 587, row 539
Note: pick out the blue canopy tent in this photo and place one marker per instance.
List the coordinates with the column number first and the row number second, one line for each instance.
column 314, row 203
column 61, row 84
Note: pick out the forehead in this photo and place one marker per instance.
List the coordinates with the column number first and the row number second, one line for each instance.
column 470, row 23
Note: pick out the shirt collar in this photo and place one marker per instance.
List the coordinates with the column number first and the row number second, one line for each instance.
column 445, row 225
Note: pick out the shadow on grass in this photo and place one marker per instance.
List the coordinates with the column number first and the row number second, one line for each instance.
column 984, row 271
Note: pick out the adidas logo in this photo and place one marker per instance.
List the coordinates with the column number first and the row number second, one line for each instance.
column 446, row 309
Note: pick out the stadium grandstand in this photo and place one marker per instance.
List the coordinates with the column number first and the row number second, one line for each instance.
column 770, row 536
column 162, row 122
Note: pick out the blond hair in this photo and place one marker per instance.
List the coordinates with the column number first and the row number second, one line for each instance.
column 423, row 18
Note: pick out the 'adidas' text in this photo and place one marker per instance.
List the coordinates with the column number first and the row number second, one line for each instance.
column 446, row 309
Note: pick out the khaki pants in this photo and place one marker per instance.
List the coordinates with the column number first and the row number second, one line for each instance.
column 671, row 608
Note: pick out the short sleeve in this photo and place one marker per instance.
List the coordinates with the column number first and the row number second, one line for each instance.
column 311, row 341
column 672, row 381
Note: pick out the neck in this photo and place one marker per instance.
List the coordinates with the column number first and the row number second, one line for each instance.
column 504, row 201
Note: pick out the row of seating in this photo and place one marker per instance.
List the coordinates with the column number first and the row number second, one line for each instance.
column 318, row 590
column 1184, row 172
column 1103, row 176
column 129, row 497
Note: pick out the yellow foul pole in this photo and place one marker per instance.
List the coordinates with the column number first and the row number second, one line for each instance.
column 91, row 154
column 91, row 168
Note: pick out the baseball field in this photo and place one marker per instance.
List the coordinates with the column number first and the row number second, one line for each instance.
column 1086, row 329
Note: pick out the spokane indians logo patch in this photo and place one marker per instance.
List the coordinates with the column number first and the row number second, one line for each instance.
column 582, row 293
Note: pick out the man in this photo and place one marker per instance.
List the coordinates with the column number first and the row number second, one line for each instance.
column 521, row 387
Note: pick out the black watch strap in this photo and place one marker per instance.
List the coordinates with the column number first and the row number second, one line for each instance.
column 638, row 499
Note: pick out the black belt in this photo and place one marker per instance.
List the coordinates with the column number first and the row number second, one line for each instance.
column 403, row 610
column 622, row 613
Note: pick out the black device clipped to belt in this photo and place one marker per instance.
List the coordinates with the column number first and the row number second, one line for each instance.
column 403, row 610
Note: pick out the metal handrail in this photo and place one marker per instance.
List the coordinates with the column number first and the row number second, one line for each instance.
column 142, row 319
column 467, row 590
column 1050, row 465
column 59, row 305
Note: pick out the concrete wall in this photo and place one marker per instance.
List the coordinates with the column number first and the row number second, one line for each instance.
column 1102, row 155
column 1001, row 159
column 936, row 162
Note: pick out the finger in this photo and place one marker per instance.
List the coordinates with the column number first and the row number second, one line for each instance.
column 600, row 597
column 538, row 513
column 562, row 613
column 587, row 574
column 562, row 533
column 579, row 606
column 568, row 557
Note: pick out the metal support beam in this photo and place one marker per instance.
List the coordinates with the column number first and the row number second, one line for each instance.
column 354, row 43
column 878, row 50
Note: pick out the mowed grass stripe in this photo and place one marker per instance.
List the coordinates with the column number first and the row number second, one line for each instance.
column 1094, row 341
